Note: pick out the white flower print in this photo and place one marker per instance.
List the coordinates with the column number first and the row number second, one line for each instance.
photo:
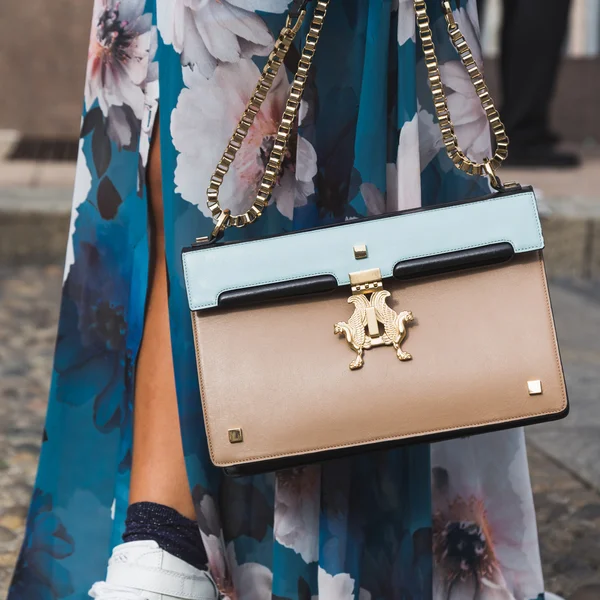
column 83, row 185
column 430, row 138
column 210, row 110
column 206, row 32
column 150, row 112
column 470, row 122
column 252, row 581
column 467, row 18
column 406, row 20
column 248, row 581
column 468, row 116
column 297, row 511
column 376, row 201
column 335, row 587
column 409, row 167
column 419, row 142
column 484, row 520
column 211, row 522
column 119, row 55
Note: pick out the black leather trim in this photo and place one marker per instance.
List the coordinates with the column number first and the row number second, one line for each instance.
column 277, row 291
column 454, row 261
column 268, row 466
column 410, row 269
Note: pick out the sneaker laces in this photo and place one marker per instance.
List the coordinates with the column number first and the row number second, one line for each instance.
column 105, row 591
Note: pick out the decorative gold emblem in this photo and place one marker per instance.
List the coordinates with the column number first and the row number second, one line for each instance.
column 362, row 330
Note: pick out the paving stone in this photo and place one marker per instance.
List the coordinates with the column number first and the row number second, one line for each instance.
column 568, row 525
column 6, row 535
column 12, row 522
column 575, row 441
column 566, row 243
column 594, row 250
column 16, row 173
column 591, row 592
column 590, row 512
column 29, row 300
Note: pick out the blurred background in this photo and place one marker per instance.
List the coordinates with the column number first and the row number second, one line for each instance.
column 43, row 49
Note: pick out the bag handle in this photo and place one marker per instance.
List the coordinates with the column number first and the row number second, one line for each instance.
column 440, row 101
column 224, row 218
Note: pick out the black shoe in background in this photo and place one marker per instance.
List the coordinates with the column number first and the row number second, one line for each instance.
column 541, row 156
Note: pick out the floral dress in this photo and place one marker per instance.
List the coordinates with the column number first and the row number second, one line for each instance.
column 451, row 521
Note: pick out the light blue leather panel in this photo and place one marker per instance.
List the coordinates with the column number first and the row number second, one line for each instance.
column 211, row 271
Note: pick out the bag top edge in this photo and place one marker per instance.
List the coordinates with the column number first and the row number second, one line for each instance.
column 511, row 218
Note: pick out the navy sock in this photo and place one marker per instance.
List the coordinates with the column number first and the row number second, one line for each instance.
column 173, row 532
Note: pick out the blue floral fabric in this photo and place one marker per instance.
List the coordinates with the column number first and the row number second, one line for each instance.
column 453, row 521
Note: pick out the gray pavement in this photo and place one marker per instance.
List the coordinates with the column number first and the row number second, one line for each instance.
column 29, row 300
column 575, row 442
column 565, row 455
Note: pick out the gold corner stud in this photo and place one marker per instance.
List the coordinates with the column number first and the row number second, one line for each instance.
column 535, row 387
column 236, row 436
column 360, row 251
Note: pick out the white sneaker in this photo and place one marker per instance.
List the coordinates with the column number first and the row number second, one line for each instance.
column 142, row 571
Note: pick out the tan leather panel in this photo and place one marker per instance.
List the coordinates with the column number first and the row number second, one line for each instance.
column 280, row 374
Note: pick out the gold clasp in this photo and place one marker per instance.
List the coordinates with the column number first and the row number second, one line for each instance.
column 491, row 174
column 448, row 13
column 221, row 224
column 295, row 28
column 362, row 331
column 365, row 282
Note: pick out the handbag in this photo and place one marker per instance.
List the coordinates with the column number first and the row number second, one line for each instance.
column 404, row 328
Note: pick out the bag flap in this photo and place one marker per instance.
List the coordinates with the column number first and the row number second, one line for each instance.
column 508, row 218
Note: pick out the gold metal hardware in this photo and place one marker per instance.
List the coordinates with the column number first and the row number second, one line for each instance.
column 236, row 436
column 440, row 102
column 360, row 252
column 535, row 387
column 286, row 126
column 372, row 322
column 360, row 278
column 362, row 330
column 366, row 282
column 221, row 223
column 449, row 14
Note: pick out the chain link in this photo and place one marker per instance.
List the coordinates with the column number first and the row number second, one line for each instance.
column 440, row 101
column 223, row 217
column 284, row 131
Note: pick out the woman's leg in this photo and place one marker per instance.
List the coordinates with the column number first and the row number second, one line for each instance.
column 158, row 471
column 162, row 553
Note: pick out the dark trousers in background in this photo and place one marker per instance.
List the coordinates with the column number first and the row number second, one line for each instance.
column 532, row 41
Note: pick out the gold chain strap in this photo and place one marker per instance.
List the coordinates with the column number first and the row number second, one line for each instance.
column 459, row 158
column 224, row 218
